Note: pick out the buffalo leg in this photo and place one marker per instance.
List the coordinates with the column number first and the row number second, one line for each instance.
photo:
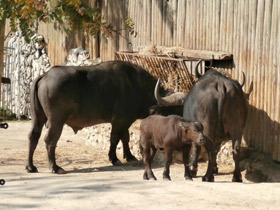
column 147, row 155
column 114, row 140
column 237, row 177
column 185, row 153
column 215, row 166
column 195, row 152
column 126, row 151
column 119, row 131
column 51, row 138
column 168, row 161
column 210, row 148
column 33, row 137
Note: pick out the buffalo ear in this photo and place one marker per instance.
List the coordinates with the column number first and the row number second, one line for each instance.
column 247, row 95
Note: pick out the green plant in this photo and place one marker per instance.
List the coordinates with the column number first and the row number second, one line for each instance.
column 6, row 114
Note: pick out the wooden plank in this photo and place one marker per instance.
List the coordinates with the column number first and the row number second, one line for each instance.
column 149, row 21
column 103, row 40
column 274, row 94
column 276, row 151
column 217, row 36
column 163, row 27
column 222, row 25
column 175, row 22
column 207, row 55
column 200, row 25
column 258, row 43
column 252, row 29
column 203, row 27
column 230, row 23
column 267, row 87
column 187, row 42
column 209, row 25
column 154, row 22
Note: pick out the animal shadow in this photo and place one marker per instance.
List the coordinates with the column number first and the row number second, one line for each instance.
column 262, row 133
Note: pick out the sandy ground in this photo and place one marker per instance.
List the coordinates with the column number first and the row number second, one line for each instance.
column 92, row 183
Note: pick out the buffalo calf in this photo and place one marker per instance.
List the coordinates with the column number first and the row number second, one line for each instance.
column 168, row 133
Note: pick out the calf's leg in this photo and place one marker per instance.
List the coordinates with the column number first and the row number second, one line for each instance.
column 185, row 153
column 195, row 152
column 147, row 153
column 168, row 161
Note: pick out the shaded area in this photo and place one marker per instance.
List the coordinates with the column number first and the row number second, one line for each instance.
column 267, row 136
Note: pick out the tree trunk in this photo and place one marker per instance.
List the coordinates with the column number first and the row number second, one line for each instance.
column 2, row 34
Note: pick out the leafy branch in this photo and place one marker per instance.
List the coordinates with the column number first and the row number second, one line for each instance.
column 25, row 15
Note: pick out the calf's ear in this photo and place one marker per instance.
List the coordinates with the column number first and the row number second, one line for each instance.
column 183, row 127
column 198, row 126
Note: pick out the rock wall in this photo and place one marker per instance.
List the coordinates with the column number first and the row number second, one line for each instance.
column 23, row 63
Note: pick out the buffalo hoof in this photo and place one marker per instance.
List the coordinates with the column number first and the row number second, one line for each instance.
column 31, row 169
column 187, row 178
column 58, row 170
column 131, row 159
column 117, row 163
column 215, row 170
column 166, row 178
column 193, row 173
column 147, row 177
column 237, row 179
column 152, row 178
column 208, row 179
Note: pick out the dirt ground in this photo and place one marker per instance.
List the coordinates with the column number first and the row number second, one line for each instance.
column 91, row 182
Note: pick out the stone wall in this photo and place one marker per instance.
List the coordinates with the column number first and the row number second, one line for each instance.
column 23, row 63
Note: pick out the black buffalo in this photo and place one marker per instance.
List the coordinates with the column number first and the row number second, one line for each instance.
column 116, row 92
column 219, row 103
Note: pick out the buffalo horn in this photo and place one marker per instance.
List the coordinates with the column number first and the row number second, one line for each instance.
column 197, row 74
column 175, row 99
column 243, row 79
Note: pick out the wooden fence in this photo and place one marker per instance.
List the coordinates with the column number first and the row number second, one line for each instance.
column 248, row 29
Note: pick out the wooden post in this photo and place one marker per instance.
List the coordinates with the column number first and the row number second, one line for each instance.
column 2, row 33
